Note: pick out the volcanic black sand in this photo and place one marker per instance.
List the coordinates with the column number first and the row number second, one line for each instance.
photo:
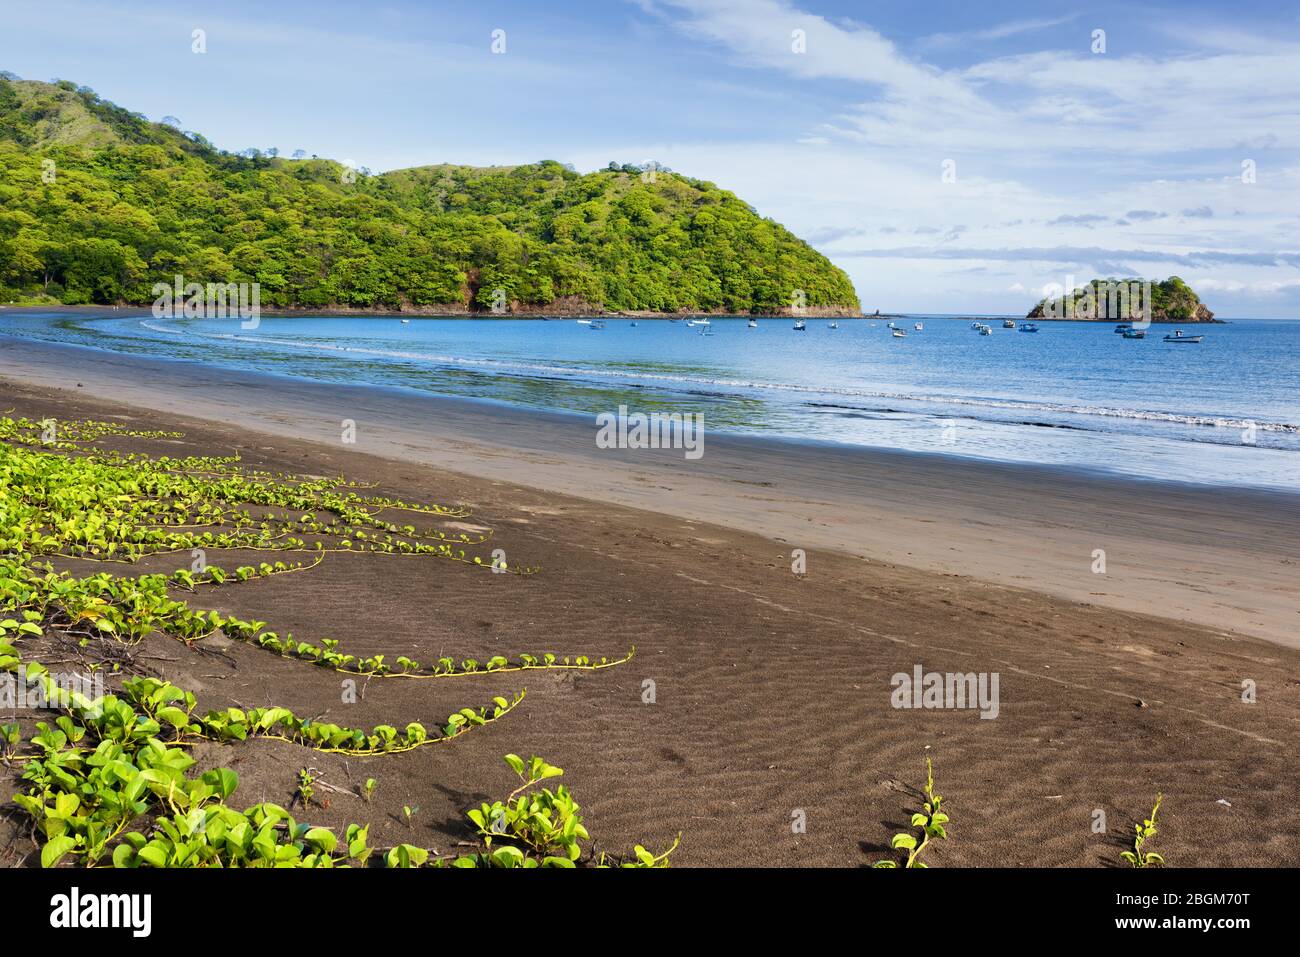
column 771, row 690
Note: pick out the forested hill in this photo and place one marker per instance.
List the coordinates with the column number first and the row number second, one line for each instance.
column 97, row 204
column 1170, row 300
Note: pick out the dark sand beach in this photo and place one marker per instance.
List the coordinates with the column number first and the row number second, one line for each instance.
column 772, row 690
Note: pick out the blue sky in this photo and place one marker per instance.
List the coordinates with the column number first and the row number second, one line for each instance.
column 1063, row 162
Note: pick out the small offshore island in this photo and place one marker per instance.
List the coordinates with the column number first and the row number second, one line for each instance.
column 1110, row 300
column 103, row 204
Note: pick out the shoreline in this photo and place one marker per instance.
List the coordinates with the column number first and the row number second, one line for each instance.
column 432, row 312
column 452, row 311
column 1222, row 558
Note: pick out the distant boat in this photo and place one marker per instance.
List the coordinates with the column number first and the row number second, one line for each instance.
column 976, row 325
column 890, row 325
column 1179, row 337
column 633, row 325
column 598, row 323
column 1029, row 327
column 753, row 323
column 988, row 330
column 406, row 322
column 698, row 322
column 1008, row 323
column 800, row 325
column 918, row 327
column 832, row 325
column 1135, row 333
column 899, row 333
column 583, row 322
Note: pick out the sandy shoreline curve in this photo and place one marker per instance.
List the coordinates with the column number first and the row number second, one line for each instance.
column 1224, row 558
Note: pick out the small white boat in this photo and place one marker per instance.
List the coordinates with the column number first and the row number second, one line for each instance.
column 832, row 325
column 598, row 324
column 753, row 323
column 1179, row 337
column 406, row 322
column 583, row 322
column 1029, row 327
column 890, row 325
column 918, row 327
column 899, row 333
column 1008, row 323
column 986, row 330
column 800, row 325
column 698, row 322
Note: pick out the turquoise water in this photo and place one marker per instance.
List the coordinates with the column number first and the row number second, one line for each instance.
column 1073, row 394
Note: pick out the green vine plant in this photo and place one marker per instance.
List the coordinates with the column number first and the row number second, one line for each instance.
column 193, row 826
column 539, row 827
column 108, row 507
column 928, row 823
column 106, row 762
column 110, row 760
column 1142, row 833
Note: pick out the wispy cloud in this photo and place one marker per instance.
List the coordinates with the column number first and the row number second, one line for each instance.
column 1001, row 31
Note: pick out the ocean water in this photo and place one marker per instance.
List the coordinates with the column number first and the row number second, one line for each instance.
column 1225, row 412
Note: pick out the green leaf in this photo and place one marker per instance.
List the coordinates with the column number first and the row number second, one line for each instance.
column 54, row 850
column 223, row 779
column 507, row 856
column 322, row 838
